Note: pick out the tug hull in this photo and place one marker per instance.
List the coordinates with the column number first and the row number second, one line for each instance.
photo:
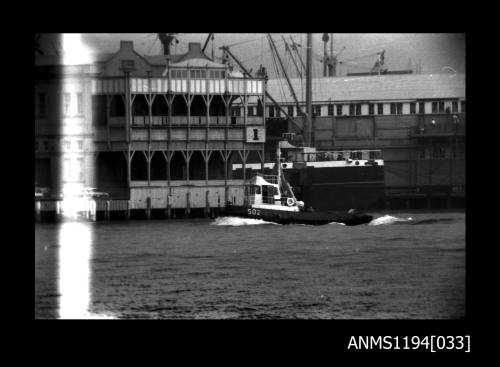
column 300, row 217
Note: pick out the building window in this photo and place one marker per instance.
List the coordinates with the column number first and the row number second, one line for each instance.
column 351, row 109
column 67, row 145
column 79, row 103
column 462, row 106
column 278, row 112
column 399, row 108
column 290, row 110
column 271, row 111
column 330, row 110
column 421, row 107
column 371, row 109
column 99, row 116
column 358, row 109
column 413, row 108
column 339, row 110
column 434, row 107
column 80, row 144
column 380, row 108
column 42, row 104
column 66, row 103
column 259, row 108
column 393, row 108
column 441, row 106
column 250, row 110
column 454, row 106
column 438, row 152
column 317, row 110
column 421, row 153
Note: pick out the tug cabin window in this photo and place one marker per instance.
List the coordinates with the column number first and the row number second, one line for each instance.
column 252, row 190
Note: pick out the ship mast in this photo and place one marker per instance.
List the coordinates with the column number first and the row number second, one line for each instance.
column 308, row 115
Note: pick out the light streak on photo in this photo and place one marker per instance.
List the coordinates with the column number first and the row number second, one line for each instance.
column 75, row 236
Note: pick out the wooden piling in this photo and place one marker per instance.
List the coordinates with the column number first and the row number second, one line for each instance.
column 168, row 209
column 207, row 204
column 107, row 210
column 148, row 207
column 58, row 211
column 38, row 211
column 188, row 204
column 218, row 204
column 127, row 211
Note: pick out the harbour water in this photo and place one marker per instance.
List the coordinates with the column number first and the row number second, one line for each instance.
column 401, row 266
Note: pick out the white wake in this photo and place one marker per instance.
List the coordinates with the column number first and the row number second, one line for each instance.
column 237, row 221
column 387, row 219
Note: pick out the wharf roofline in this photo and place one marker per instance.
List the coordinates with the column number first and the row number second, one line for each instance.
column 374, row 88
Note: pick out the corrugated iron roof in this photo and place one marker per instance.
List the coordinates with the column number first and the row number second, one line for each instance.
column 198, row 63
column 383, row 87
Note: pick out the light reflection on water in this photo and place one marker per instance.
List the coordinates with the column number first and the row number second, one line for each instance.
column 198, row 269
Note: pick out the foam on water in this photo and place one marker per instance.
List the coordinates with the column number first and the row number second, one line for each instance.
column 97, row 316
column 337, row 223
column 237, row 221
column 387, row 219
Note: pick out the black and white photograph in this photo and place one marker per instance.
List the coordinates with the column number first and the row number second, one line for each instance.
column 250, row 176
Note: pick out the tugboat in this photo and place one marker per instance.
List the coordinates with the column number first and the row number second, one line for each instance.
column 264, row 200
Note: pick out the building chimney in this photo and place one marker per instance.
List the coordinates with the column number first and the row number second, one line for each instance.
column 195, row 48
column 166, row 40
column 127, row 45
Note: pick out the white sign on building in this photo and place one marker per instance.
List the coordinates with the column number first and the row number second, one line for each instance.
column 256, row 134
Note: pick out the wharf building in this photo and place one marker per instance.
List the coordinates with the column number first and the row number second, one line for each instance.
column 157, row 133
column 417, row 120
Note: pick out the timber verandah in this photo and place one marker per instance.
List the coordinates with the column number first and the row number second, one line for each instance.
column 188, row 126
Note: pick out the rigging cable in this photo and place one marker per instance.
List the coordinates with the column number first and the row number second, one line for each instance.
column 281, row 89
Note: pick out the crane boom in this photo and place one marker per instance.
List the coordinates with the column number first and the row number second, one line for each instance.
column 294, row 47
column 206, row 42
column 226, row 49
column 273, row 48
column 287, row 48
